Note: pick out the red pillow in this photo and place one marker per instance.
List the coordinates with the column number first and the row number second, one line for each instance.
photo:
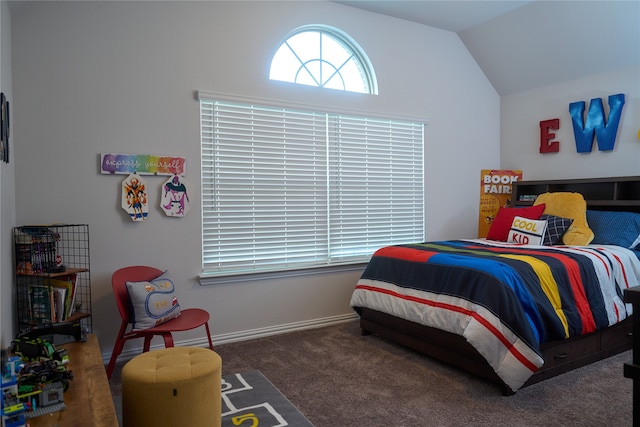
column 501, row 225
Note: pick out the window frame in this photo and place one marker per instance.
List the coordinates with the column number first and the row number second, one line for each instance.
column 348, row 43
column 212, row 278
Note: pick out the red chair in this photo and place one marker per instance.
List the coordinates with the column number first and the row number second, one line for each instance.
column 189, row 318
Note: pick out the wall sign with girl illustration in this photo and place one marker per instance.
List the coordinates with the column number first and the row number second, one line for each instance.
column 175, row 198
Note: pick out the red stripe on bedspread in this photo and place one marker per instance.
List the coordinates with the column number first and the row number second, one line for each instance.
column 624, row 272
column 597, row 255
column 519, row 356
column 573, row 273
column 606, row 265
column 617, row 258
column 407, row 254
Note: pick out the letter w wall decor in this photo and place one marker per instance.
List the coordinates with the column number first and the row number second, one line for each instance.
column 605, row 129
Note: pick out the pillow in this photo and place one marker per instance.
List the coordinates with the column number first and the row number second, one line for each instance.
column 527, row 231
column 569, row 205
column 615, row 228
column 501, row 224
column 152, row 303
column 556, row 227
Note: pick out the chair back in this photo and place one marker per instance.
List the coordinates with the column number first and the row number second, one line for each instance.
column 119, row 279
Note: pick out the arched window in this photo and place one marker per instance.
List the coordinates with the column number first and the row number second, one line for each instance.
column 325, row 57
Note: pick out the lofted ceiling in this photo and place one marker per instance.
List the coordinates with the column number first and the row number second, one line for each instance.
column 523, row 45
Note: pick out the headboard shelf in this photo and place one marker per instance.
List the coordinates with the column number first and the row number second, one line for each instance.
column 614, row 193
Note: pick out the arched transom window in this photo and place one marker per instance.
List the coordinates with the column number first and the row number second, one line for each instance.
column 324, row 57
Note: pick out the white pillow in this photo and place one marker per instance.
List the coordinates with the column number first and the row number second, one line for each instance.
column 527, row 231
column 152, row 303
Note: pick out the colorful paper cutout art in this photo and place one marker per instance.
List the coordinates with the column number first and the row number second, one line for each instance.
column 175, row 198
column 134, row 197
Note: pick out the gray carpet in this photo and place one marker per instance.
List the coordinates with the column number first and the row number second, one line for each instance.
column 338, row 378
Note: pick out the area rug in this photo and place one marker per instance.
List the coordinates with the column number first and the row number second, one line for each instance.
column 249, row 399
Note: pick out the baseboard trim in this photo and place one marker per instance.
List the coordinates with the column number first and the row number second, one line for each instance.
column 243, row 335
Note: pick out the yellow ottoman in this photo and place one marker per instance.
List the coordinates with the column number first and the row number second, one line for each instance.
column 177, row 386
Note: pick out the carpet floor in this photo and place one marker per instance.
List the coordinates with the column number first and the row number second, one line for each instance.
column 338, row 378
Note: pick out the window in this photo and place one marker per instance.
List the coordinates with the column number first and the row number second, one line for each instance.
column 324, row 57
column 285, row 188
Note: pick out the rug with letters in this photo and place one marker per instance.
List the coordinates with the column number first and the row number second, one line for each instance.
column 249, row 399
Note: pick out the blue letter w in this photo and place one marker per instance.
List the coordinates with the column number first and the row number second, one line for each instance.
column 605, row 130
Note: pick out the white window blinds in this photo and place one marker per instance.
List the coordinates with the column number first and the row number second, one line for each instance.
column 285, row 188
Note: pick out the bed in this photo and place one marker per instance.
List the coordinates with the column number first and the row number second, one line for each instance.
column 513, row 313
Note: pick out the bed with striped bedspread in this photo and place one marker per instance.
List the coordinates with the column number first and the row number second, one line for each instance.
column 504, row 299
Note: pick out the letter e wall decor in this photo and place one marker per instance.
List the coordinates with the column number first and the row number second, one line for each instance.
column 546, row 145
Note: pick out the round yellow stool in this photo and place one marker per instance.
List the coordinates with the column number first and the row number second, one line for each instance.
column 177, row 386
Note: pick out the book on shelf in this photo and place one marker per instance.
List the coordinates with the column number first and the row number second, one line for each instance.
column 65, row 289
column 59, row 296
column 41, row 303
column 36, row 250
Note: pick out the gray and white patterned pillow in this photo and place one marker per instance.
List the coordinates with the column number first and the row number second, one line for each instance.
column 153, row 302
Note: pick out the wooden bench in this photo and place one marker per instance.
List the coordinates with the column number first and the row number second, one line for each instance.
column 88, row 400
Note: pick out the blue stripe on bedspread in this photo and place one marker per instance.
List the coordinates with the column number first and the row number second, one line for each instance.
column 588, row 280
column 489, row 290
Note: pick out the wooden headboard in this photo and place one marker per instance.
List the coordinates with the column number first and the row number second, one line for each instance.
column 612, row 194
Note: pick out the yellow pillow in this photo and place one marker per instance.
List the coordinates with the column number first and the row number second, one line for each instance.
column 569, row 205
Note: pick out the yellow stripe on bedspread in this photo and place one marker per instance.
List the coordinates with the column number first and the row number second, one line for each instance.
column 548, row 284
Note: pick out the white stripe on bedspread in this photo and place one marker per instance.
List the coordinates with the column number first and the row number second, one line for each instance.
column 620, row 270
column 511, row 358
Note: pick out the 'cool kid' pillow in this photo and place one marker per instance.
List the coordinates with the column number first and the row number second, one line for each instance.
column 153, row 302
column 527, row 231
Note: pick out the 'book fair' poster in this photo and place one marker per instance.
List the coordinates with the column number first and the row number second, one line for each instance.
column 495, row 192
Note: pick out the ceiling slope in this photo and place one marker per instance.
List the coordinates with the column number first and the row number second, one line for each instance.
column 522, row 45
column 452, row 15
column 545, row 43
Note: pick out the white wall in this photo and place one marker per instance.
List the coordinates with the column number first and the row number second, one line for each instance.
column 7, row 190
column 521, row 114
column 96, row 77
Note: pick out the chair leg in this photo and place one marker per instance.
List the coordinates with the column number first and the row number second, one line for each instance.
column 168, row 339
column 117, row 349
column 147, row 343
column 206, row 325
column 166, row 336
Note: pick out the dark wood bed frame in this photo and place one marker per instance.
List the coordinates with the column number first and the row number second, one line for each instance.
column 614, row 194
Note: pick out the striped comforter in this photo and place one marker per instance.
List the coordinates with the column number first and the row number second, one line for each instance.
column 504, row 299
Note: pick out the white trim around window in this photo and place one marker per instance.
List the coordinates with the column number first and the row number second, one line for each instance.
column 290, row 190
